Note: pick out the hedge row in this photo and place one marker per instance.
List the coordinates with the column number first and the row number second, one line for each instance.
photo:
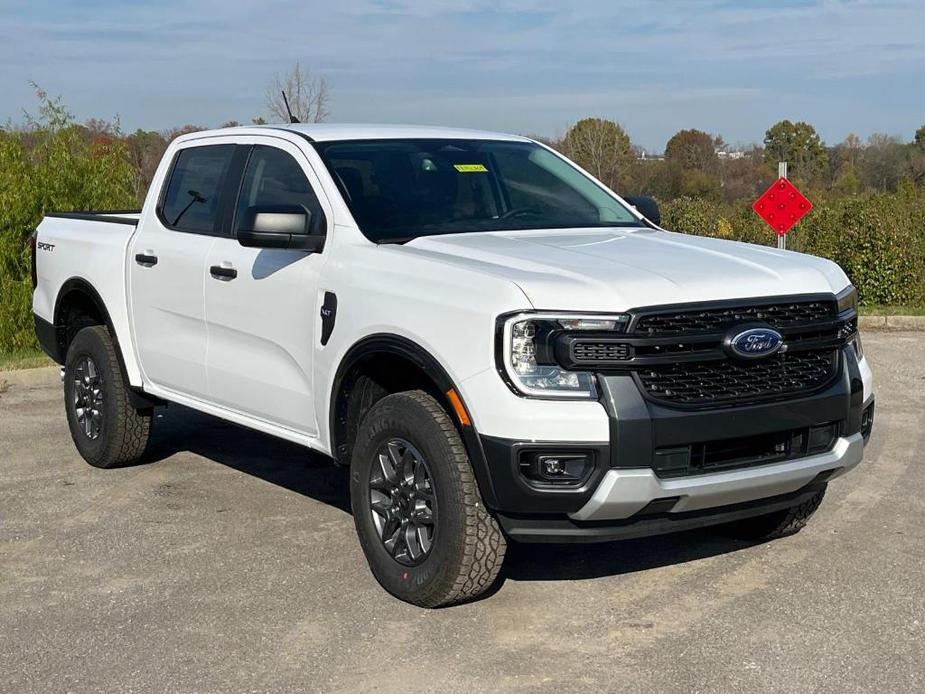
column 878, row 239
column 42, row 170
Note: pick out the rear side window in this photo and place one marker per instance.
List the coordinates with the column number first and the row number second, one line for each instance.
column 273, row 178
column 191, row 201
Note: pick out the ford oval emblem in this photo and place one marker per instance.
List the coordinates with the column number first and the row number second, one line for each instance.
column 754, row 343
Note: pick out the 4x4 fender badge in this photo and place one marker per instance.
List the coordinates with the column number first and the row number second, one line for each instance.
column 328, row 316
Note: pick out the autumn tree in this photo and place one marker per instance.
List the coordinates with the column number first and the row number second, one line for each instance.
column 885, row 159
column 692, row 149
column 601, row 147
column 308, row 94
column 799, row 145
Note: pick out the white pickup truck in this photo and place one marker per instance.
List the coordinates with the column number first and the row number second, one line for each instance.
column 499, row 347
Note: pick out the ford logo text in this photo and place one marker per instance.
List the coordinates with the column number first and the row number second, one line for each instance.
column 754, row 343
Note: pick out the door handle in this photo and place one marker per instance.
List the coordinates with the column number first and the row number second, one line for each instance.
column 146, row 260
column 223, row 273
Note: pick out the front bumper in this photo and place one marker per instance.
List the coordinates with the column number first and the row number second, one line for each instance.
column 628, row 495
column 622, row 493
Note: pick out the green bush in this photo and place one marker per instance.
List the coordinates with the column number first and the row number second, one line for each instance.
column 878, row 239
column 51, row 164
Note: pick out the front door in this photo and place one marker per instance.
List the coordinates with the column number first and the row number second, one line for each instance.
column 261, row 305
column 167, row 270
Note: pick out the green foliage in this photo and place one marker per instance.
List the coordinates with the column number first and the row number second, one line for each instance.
column 692, row 149
column 51, row 164
column 879, row 240
column 601, row 147
column 799, row 145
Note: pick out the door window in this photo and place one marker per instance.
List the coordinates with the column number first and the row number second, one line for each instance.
column 274, row 178
column 191, row 201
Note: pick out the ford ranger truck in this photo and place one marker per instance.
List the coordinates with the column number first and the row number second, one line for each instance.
column 498, row 347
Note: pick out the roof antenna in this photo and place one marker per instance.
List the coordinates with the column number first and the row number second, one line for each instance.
column 292, row 119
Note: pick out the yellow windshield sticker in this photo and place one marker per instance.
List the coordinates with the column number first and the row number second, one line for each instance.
column 470, row 168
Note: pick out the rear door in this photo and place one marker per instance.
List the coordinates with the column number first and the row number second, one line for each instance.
column 167, row 261
column 262, row 305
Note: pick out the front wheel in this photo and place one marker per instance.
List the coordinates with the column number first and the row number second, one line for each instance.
column 772, row 526
column 427, row 536
column 106, row 429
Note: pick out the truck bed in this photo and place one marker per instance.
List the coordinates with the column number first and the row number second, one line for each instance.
column 86, row 251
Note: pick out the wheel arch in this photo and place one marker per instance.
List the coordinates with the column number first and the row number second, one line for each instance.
column 79, row 305
column 408, row 366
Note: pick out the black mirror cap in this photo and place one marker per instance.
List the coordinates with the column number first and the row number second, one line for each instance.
column 312, row 243
column 647, row 207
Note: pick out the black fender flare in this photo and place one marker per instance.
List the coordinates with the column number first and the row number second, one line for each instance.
column 396, row 345
column 80, row 285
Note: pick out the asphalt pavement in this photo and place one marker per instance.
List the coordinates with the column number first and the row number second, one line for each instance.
column 229, row 563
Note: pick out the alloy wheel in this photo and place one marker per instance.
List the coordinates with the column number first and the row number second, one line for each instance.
column 402, row 499
column 88, row 397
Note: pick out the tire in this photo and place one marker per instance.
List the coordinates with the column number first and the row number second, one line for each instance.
column 775, row 525
column 466, row 546
column 107, row 430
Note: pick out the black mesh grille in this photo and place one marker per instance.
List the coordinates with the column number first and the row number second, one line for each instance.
column 711, row 320
column 724, row 382
column 590, row 351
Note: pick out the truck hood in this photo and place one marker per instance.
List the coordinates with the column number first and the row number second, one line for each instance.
column 617, row 269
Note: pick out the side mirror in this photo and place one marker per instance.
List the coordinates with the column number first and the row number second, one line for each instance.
column 647, row 207
column 281, row 226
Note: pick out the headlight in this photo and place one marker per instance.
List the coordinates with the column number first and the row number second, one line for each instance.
column 527, row 352
column 847, row 299
column 858, row 349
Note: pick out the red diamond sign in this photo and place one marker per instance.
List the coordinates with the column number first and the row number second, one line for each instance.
column 782, row 206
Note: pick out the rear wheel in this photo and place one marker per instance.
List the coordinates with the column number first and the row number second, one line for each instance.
column 774, row 525
column 106, row 429
column 427, row 536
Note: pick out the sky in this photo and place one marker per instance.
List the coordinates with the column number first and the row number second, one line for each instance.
column 526, row 66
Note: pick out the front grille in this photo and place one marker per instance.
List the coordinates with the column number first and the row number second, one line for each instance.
column 718, row 319
column 592, row 351
column 746, row 451
column 725, row 381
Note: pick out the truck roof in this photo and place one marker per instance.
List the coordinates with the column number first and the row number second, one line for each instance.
column 326, row 132
column 323, row 132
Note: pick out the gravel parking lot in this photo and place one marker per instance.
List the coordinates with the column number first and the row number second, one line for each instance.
column 229, row 563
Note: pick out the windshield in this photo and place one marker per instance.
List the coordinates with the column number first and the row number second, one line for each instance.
column 398, row 190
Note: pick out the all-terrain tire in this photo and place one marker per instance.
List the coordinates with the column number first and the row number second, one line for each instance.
column 775, row 525
column 467, row 547
column 120, row 435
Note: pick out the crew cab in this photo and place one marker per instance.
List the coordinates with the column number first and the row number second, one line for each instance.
column 497, row 345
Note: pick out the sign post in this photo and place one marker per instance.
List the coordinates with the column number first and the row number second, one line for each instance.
column 782, row 173
column 782, row 206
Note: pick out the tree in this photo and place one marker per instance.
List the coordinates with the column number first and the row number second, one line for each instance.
column 308, row 95
column 145, row 149
column 601, row 147
column 799, row 145
column 884, row 162
column 50, row 164
column 919, row 140
column 693, row 150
